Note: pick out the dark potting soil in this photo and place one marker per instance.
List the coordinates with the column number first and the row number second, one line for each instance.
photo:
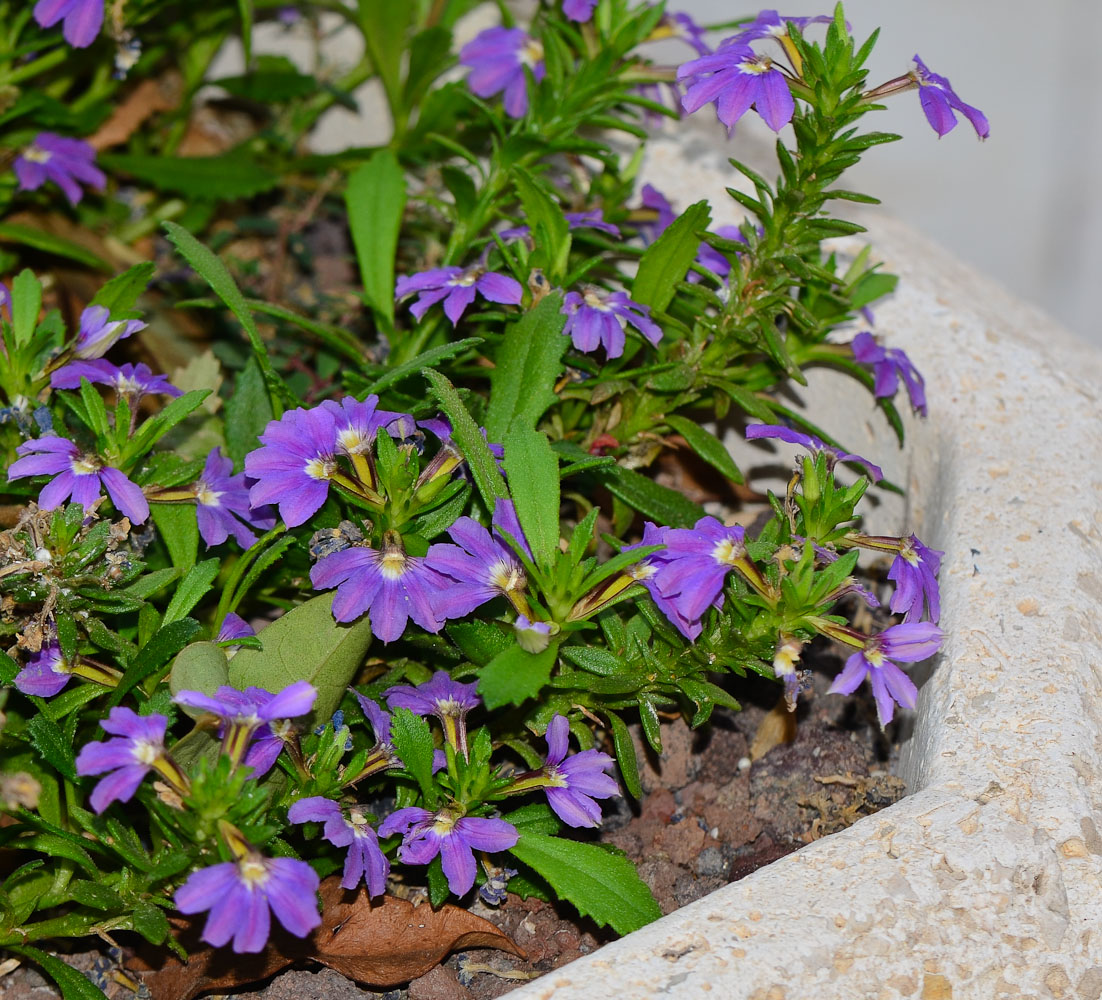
column 710, row 815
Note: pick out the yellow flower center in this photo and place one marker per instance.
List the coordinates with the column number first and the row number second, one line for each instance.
column 206, row 496
column 34, row 154
column 253, row 873
column 727, row 552
column 593, row 299
column 393, row 564
column 352, row 441
column 320, row 468
column 507, row 577
column 86, row 465
column 756, row 67
column 445, row 823
column 531, row 53
column 145, row 752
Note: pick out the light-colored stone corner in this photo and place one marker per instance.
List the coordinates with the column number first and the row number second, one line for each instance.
column 986, row 882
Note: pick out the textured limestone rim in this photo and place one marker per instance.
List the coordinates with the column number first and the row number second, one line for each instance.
column 987, row 880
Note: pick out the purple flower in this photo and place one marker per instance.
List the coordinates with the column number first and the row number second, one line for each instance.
column 575, row 220
column 812, row 443
column 357, row 423
column 253, row 715
column 695, row 564
column 448, row 700
column 454, row 838
column 223, row 507
column 578, row 10
column 506, row 522
column 770, row 24
column 133, row 381
column 915, row 571
column 939, row 101
column 577, row 780
column 80, row 476
column 386, row 582
column 140, row 743
column 457, row 288
column 295, row 465
column 234, row 627
column 888, row 364
column 595, row 319
column 240, row 893
column 482, row 565
column 532, row 637
column 497, row 58
column 645, row 570
column 83, row 19
column 681, row 25
column 909, row 642
column 364, row 860
column 653, row 200
column 46, row 672
column 64, row 161
column 734, row 77
column 713, row 259
column 98, row 333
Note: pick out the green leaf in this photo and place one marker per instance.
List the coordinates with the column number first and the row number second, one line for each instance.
column 515, row 675
column 39, row 239
column 180, row 532
column 528, row 363
column 200, row 666
column 306, row 644
column 95, row 895
column 624, row 747
column 150, row 922
column 479, row 641
column 666, row 261
column 48, row 739
column 652, row 500
column 151, row 583
column 602, row 885
column 707, row 446
column 120, row 294
column 211, row 269
column 271, row 83
column 376, row 199
column 550, row 230
column 469, row 438
column 191, row 590
column 236, row 174
column 8, row 669
column 533, row 472
column 73, row 985
column 26, row 302
column 536, row 817
column 412, row 741
column 248, row 410
column 426, row 359
column 56, row 846
column 165, row 644
column 159, row 425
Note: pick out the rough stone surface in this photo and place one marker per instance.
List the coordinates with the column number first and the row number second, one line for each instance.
column 987, row 881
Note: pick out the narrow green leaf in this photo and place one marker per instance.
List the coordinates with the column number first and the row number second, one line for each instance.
column 527, row 365
column 537, row 817
column 666, row 261
column 533, row 472
column 652, row 500
column 191, row 590
column 548, row 225
column 73, row 985
column 426, row 359
column 707, row 446
column 48, row 739
column 39, row 239
column 180, row 532
column 233, row 174
column 165, row 644
column 150, row 922
column 624, row 747
column 211, row 269
column 602, row 885
column 412, row 741
column 514, row 675
column 306, row 644
column 376, row 198
column 95, row 895
column 26, row 301
column 469, row 438
column 120, row 294
column 248, row 410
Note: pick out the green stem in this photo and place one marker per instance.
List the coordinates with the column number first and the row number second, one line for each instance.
column 35, row 66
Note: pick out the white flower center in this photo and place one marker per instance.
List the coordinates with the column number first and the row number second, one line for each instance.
column 145, row 752
column 756, row 67
column 531, row 53
column 352, row 441
column 393, row 564
column 727, row 552
column 507, row 577
column 85, row 465
column 206, row 496
column 253, row 873
column 320, row 468
column 909, row 554
column 444, row 824
column 34, row 154
column 642, row 571
column 874, row 656
column 594, row 301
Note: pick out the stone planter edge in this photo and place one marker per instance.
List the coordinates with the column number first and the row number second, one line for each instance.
column 986, row 881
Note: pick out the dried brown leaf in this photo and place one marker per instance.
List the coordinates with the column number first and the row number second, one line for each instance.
column 384, row 943
column 778, row 727
column 145, row 100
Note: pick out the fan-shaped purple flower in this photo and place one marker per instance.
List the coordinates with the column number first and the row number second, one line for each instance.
column 133, row 381
column 46, row 673
column 914, row 572
column 65, row 161
column 456, row 287
column 223, row 507
column 497, row 58
column 812, row 443
column 131, row 756
column 596, row 319
column 736, row 78
column 889, row 364
column 576, row 780
column 365, row 860
column 939, row 101
column 98, row 333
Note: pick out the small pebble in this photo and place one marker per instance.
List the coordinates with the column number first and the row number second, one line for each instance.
column 744, row 763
